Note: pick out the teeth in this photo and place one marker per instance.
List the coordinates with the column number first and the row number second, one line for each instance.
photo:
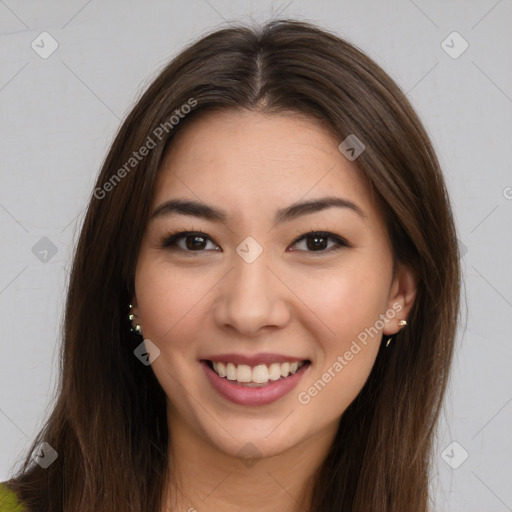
column 274, row 372
column 259, row 374
column 221, row 369
column 231, row 371
column 243, row 373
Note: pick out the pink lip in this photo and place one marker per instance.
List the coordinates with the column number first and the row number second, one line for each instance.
column 244, row 395
column 252, row 360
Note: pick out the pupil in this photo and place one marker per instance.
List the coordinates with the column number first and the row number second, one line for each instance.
column 317, row 242
column 195, row 242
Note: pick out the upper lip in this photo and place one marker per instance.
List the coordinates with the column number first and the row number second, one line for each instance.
column 253, row 360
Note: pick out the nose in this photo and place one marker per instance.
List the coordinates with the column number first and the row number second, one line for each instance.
column 251, row 299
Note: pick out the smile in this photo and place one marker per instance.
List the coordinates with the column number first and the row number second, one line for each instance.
column 254, row 380
column 259, row 374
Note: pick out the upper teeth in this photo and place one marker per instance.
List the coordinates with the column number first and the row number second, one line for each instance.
column 259, row 374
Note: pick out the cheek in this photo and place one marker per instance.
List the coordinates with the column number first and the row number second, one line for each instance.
column 169, row 306
column 346, row 301
column 350, row 302
column 168, row 298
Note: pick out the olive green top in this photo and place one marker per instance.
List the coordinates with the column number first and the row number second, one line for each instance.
column 9, row 502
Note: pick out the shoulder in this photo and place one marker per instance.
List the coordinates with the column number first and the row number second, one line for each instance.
column 9, row 501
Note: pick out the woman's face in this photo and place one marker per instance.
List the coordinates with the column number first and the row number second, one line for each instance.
column 269, row 314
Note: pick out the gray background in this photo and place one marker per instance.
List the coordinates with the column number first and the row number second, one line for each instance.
column 59, row 115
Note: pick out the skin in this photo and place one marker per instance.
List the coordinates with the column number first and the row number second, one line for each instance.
column 291, row 300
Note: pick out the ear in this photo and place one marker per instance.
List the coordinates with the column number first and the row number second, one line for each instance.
column 401, row 298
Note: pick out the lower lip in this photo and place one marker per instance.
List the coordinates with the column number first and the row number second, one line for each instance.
column 244, row 395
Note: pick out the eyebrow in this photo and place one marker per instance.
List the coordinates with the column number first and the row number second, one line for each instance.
column 299, row 209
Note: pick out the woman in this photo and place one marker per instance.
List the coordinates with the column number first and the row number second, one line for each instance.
column 264, row 295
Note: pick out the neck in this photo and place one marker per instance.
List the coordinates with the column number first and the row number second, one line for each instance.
column 205, row 479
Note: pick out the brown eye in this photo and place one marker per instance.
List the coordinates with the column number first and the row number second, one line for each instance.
column 189, row 242
column 195, row 242
column 320, row 242
column 317, row 243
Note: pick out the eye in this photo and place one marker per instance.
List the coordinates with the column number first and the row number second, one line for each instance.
column 189, row 241
column 320, row 241
column 196, row 241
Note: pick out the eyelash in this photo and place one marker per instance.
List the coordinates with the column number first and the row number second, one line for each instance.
column 171, row 240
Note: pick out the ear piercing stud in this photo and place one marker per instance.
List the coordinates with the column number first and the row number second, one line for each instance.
column 131, row 316
column 401, row 323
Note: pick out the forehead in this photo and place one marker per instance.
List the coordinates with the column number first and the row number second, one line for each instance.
column 247, row 159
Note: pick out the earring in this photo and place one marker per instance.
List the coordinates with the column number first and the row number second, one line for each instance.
column 131, row 316
column 401, row 323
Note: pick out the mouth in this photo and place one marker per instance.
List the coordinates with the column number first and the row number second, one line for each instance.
column 255, row 376
column 254, row 381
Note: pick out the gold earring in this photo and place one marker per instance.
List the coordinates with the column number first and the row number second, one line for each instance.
column 401, row 323
column 131, row 316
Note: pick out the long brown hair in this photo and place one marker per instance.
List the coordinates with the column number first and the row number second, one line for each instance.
column 109, row 423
